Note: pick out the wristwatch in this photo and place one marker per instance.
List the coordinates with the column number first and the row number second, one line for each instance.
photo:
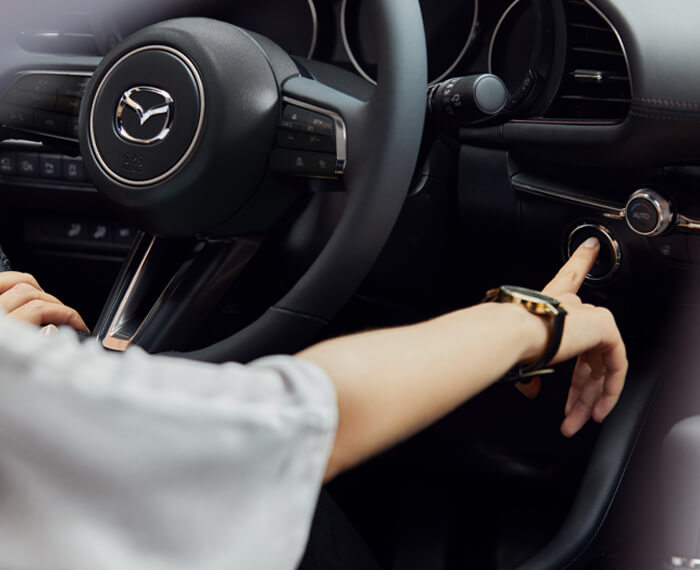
column 538, row 304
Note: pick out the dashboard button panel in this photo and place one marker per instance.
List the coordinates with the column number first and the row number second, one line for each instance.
column 41, row 166
column 50, row 166
column 8, row 163
column 673, row 247
column 79, row 233
column 28, row 164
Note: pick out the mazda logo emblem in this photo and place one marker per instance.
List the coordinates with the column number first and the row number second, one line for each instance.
column 156, row 105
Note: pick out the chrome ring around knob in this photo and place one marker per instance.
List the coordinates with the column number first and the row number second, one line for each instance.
column 611, row 242
column 661, row 206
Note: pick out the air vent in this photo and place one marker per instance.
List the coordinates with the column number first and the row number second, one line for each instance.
column 76, row 33
column 596, row 83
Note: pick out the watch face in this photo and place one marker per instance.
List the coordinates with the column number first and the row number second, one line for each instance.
column 528, row 295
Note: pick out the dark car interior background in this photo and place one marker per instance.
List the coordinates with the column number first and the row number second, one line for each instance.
column 597, row 135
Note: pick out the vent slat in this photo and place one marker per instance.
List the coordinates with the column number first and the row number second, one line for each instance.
column 593, row 27
column 586, row 49
column 598, row 99
column 595, row 84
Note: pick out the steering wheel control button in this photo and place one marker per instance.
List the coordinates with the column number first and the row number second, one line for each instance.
column 38, row 102
column 297, row 119
column 648, row 213
column 305, row 141
column 303, row 163
column 146, row 115
column 50, row 123
column 16, row 117
column 30, row 99
column 610, row 257
column 313, row 132
column 73, row 87
column 39, row 83
column 68, row 105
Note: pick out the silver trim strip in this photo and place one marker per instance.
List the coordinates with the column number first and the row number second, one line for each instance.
column 112, row 341
column 356, row 64
column 54, row 72
column 465, row 49
column 687, row 223
column 609, row 211
column 687, row 563
column 611, row 241
column 195, row 139
column 497, row 30
column 314, row 20
column 341, row 135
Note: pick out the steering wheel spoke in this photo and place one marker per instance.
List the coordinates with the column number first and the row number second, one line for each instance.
column 166, row 290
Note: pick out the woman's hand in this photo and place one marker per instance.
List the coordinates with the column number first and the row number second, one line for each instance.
column 22, row 298
column 591, row 334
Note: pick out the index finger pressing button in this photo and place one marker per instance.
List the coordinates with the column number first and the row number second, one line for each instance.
column 609, row 259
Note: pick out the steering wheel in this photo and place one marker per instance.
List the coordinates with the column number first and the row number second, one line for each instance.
column 181, row 130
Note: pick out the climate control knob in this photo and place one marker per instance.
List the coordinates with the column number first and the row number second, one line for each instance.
column 648, row 213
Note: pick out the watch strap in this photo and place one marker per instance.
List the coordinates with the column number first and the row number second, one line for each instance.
column 527, row 372
column 543, row 306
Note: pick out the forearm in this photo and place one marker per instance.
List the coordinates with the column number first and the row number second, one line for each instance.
column 393, row 383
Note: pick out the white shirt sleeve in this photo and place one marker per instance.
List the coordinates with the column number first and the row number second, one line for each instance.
column 132, row 461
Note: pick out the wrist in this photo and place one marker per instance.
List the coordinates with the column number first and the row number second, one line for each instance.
column 534, row 333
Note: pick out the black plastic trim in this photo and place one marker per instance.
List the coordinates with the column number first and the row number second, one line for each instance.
column 606, row 468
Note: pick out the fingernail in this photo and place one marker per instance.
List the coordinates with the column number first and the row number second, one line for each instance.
column 591, row 243
column 49, row 330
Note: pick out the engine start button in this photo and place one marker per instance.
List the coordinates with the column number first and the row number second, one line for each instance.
column 610, row 257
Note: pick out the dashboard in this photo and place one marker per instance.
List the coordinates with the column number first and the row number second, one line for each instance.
column 598, row 136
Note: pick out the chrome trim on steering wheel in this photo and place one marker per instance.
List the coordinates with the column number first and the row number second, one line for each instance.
column 118, row 338
column 195, row 139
